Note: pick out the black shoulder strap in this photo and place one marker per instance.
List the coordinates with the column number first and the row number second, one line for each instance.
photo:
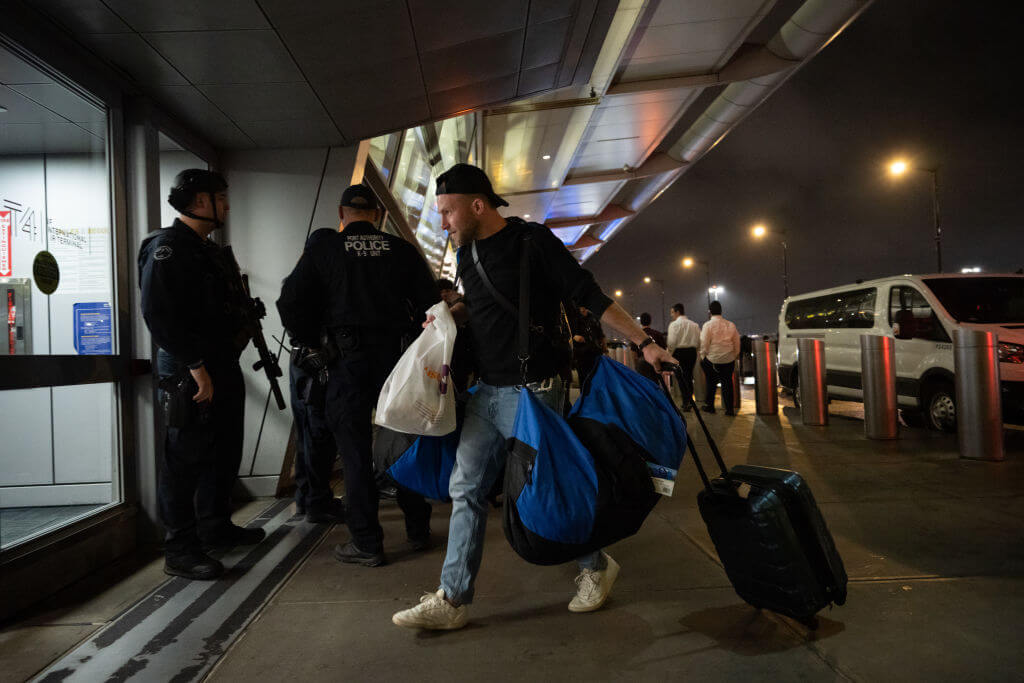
column 498, row 296
column 524, row 304
column 523, row 311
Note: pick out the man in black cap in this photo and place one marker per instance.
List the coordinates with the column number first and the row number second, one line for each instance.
column 490, row 243
column 364, row 290
column 193, row 310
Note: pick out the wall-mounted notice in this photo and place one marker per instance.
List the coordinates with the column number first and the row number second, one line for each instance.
column 93, row 330
column 46, row 272
column 6, row 262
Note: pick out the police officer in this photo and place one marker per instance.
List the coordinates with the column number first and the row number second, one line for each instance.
column 315, row 450
column 193, row 312
column 367, row 289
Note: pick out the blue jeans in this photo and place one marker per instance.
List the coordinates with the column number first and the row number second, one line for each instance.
column 478, row 462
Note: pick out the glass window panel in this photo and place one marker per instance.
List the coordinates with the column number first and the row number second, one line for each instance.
column 60, row 445
column 418, row 168
column 911, row 313
column 383, row 150
column 56, row 248
column 56, row 466
column 854, row 309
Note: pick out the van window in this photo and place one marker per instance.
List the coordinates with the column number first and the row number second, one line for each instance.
column 911, row 311
column 854, row 309
column 990, row 300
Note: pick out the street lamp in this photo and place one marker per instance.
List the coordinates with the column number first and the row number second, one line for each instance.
column 899, row 167
column 661, row 283
column 716, row 290
column 690, row 262
column 760, row 231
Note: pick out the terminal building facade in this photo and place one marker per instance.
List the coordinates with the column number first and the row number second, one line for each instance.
column 582, row 113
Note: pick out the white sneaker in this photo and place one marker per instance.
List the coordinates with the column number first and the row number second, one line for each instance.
column 433, row 612
column 593, row 587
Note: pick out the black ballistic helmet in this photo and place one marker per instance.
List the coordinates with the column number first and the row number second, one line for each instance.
column 191, row 182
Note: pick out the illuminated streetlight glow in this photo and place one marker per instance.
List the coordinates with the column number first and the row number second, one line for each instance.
column 972, row 269
column 647, row 280
column 687, row 262
column 716, row 288
column 618, row 292
column 898, row 167
column 759, row 231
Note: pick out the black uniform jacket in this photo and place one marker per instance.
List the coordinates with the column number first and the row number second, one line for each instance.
column 358, row 278
column 555, row 278
column 187, row 298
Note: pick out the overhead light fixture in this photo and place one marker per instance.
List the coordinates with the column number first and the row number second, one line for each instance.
column 546, row 157
column 972, row 269
column 526, row 215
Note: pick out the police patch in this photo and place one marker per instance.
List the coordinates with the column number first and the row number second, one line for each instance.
column 163, row 253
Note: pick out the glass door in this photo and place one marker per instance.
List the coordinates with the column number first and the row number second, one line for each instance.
column 60, row 360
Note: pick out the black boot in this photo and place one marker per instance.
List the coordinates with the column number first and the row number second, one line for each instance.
column 351, row 554
column 233, row 535
column 331, row 513
column 193, row 565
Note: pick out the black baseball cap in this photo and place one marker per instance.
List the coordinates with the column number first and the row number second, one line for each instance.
column 359, row 197
column 466, row 179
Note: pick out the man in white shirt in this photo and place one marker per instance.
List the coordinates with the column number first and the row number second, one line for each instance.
column 683, row 340
column 719, row 349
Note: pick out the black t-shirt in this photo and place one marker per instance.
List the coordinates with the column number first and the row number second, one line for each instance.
column 360, row 278
column 555, row 276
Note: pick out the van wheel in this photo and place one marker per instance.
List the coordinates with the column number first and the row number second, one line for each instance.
column 939, row 401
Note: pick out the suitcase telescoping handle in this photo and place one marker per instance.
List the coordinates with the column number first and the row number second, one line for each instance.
column 687, row 391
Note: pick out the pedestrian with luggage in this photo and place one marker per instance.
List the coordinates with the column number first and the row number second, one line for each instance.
column 490, row 256
column 359, row 284
column 719, row 349
column 683, row 341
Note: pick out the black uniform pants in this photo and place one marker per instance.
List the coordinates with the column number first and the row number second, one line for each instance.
column 315, row 449
column 200, row 462
column 356, row 378
column 719, row 372
column 687, row 357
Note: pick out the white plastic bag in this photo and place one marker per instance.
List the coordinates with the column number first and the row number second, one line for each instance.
column 418, row 397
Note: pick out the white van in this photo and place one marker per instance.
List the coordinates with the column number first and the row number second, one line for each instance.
column 921, row 312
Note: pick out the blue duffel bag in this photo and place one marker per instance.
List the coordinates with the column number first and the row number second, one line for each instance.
column 575, row 486
column 421, row 464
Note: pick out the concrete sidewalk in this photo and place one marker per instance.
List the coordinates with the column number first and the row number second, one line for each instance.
column 932, row 545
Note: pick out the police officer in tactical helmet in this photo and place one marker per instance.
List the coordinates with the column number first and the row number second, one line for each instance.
column 360, row 284
column 192, row 310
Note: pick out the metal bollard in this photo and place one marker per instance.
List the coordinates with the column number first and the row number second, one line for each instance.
column 813, row 386
column 878, row 370
column 979, row 405
column 766, row 382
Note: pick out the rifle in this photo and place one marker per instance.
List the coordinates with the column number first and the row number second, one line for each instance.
column 253, row 311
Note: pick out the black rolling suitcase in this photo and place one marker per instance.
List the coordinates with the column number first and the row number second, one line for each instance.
column 770, row 535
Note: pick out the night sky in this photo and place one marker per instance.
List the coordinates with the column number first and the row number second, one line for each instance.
column 932, row 81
